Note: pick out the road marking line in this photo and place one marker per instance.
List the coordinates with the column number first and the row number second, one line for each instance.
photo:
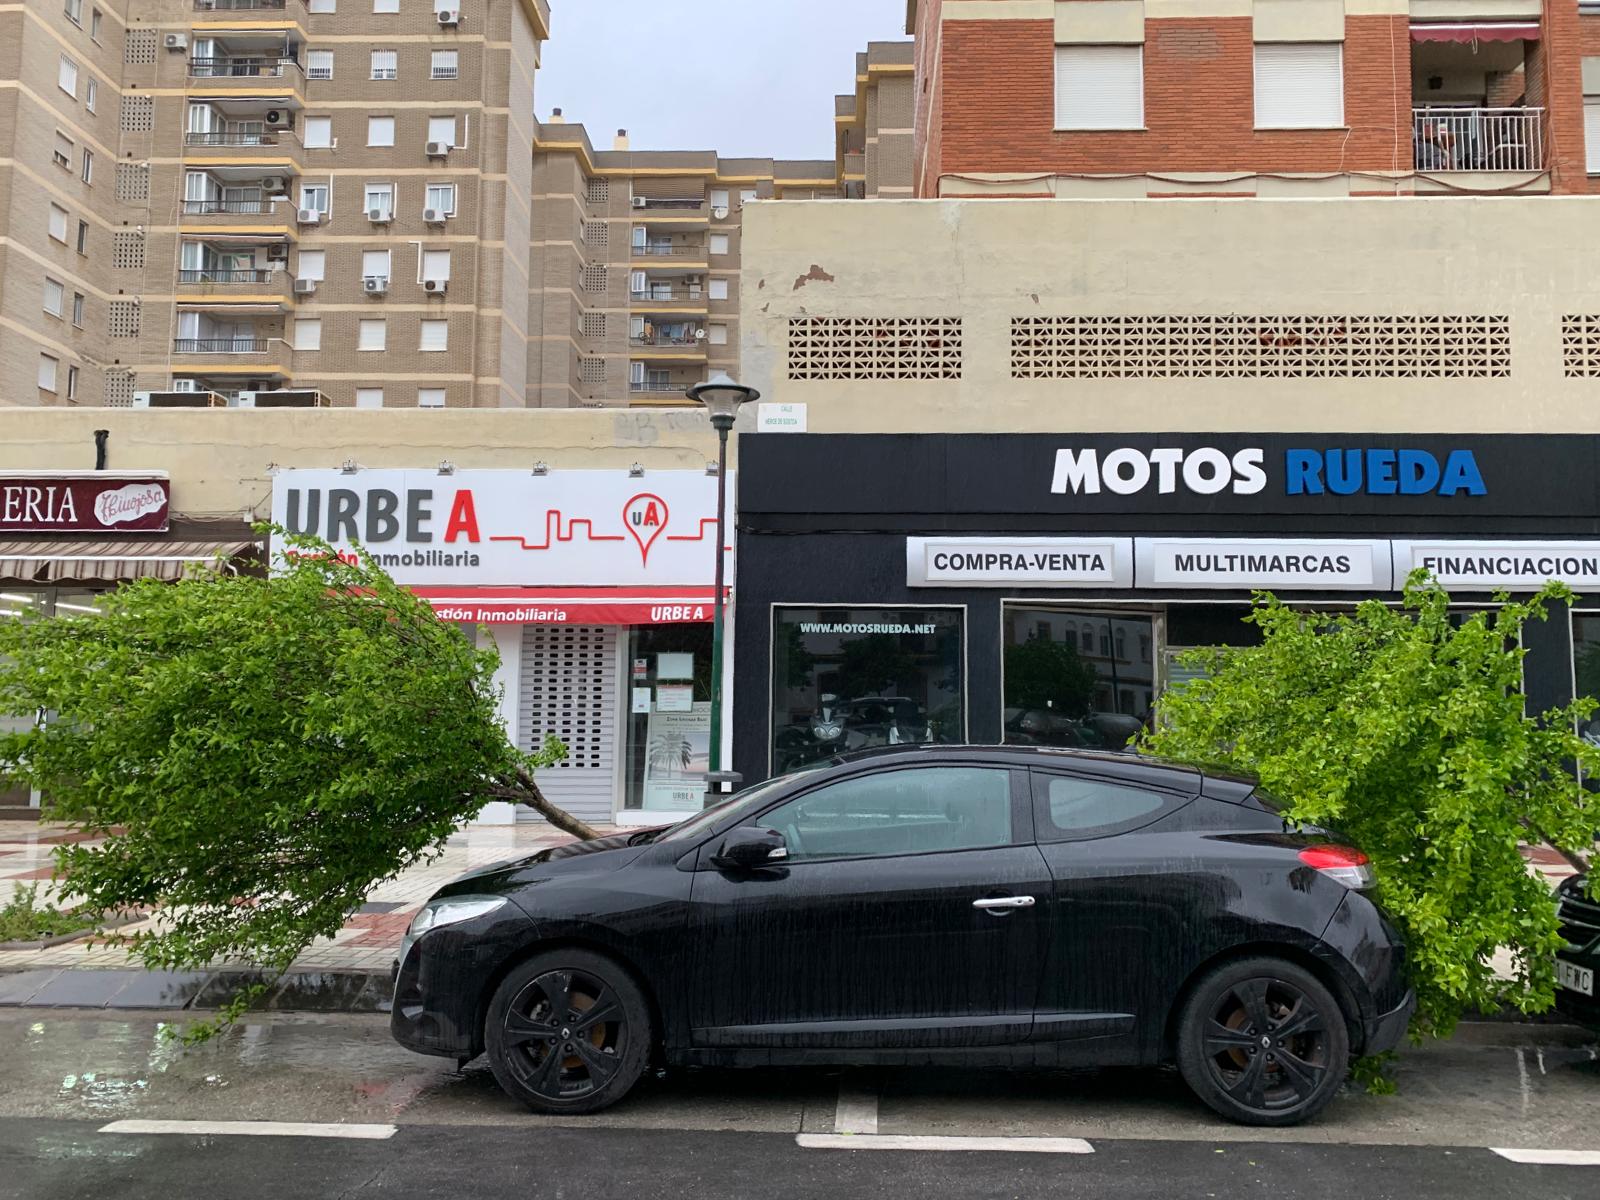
column 1551, row 1158
column 857, row 1112
column 896, row 1141
column 253, row 1128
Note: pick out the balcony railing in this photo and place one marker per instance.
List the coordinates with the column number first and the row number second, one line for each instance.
column 668, row 250
column 232, row 345
column 661, row 339
column 238, row 5
column 197, row 208
column 688, row 204
column 667, row 295
column 271, row 67
column 239, row 137
column 212, row 275
column 656, row 388
column 1477, row 139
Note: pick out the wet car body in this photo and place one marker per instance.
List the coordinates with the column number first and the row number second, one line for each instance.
column 892, row 960
column 1580, row 925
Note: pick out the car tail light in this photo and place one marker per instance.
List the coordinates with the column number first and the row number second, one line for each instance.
column 1345, row 863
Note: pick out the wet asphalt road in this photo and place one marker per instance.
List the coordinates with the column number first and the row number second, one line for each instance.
column 64, row 1074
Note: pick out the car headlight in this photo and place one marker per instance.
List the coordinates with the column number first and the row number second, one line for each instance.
column 451, row 910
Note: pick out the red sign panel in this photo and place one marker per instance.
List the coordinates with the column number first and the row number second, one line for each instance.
column 571, row 606
column 92, row 502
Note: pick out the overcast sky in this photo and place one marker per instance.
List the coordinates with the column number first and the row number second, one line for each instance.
column 741, row 77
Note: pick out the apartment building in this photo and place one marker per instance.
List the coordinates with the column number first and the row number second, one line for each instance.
column 873, row 123
column 636, row 263
column 308, row 202
column 1159, row 98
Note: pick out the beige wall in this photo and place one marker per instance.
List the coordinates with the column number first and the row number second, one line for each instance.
column 219, row 460
column 986, row 262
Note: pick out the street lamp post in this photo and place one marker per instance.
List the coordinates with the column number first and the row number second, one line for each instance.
column 722, row 398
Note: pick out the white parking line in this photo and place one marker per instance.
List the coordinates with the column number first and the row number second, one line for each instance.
column 1551, row 1158
column 857, row 1112
column 894, row 1141
column 253, row 1129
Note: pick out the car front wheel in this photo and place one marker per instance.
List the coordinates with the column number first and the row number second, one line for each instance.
column 1263, row 1042
column 568, row 1031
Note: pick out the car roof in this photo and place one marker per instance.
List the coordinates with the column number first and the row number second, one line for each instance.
column 1100, row 762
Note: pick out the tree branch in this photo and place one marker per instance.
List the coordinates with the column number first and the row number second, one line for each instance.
column 528, row 792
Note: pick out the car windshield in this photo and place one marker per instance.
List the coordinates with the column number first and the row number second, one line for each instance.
column 739, row 802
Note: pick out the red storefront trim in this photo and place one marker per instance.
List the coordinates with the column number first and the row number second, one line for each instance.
column 571, row 606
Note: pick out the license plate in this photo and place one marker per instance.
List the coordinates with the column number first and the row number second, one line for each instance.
column 1574, row 977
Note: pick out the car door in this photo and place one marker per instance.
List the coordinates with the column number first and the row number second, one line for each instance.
column 1123, row 895
column 906, row 913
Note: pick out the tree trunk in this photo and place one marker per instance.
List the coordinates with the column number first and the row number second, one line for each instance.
column 529, row 793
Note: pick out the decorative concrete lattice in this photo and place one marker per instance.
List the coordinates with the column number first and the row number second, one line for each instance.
column 139, row 47
column 599, row 191
column 138, row 114
column 592, row 370
column 593, row 325
column 1580, row 345
column 119, row 389
column 127, row 251
column 122, row 318
column 875, row 348
column 1261, row 347
column 597, row 233
column 594, row 279
column 133, row 182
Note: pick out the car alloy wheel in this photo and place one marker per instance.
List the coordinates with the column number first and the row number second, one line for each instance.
column 568, row 1033
column 1263, row 1042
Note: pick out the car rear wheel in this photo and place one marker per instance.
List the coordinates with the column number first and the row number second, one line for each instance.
column 1263, row 1042
column 568, row 1031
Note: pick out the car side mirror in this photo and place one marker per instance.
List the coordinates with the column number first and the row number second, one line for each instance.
column 749, row 847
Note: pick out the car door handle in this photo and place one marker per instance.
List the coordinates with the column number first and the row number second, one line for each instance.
column 1004, row 902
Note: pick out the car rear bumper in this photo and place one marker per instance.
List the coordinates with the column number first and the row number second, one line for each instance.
column 1384, row 1031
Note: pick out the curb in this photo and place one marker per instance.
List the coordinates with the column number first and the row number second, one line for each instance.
column 349, row 991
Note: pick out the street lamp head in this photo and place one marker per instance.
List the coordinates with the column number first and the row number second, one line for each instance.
column 722, row 398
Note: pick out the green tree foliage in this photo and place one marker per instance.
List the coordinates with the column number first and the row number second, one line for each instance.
column 1041, row 673
column 256, row 753
column 1405, row 729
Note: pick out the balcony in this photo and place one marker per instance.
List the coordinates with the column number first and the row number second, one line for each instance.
column 233, row 137
column 685, row 205
column 242, row 67
column 659, row 389
column 659, row 296
column 222, row 345
column 239, row 5
column 670, row 250
column 1505, row 140
column 264, row 206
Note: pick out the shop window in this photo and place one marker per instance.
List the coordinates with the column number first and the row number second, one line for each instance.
column 1586, row 667
column 669, row 717
column 849, row 678
column 1067, row 689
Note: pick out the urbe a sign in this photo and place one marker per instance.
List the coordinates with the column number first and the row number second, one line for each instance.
column 92, row 502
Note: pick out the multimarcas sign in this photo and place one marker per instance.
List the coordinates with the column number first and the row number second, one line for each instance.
column 565, row 547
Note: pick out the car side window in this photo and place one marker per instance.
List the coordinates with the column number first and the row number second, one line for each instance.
column 919, row 810
column 1067, row 807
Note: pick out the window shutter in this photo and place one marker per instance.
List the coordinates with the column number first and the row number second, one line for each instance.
column 435, row 335
column 319, row 64
column 1591, row 134
column 374, row 335
column 442, row 129
column 718, row 335
column 319, row 132
column 308, row 334
column 719, row 289
column 436, row 264
column 1099, row 87
column 719, row 243
column 385, row 64
column 313, row 264
column 375, row 262
column 380, row 131
column 1299, row 85
column 369, row 397
column 430, row 397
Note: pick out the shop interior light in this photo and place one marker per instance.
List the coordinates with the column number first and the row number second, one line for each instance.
column 16, row 599
column 541, row 467
column 88, row 608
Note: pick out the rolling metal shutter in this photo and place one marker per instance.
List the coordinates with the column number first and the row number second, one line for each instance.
column 1299, row 85
column 1099, row 87
column 570, row 688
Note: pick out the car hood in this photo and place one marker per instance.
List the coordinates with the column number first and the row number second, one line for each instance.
column 594, row 855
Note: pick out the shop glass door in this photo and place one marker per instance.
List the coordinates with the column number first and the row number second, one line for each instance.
column 669, row 719
column 1077, row 677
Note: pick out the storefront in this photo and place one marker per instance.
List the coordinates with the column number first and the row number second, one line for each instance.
column 596, row 589
column 67, row 537
column 1037, row 589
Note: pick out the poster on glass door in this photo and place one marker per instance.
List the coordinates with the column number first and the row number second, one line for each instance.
column 677, row 757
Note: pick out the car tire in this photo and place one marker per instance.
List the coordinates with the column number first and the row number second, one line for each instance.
column 550, row 1048
column 1262, row 1041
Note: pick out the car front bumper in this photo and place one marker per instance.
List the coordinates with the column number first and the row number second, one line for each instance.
column 1384, row 1032
column 442, row 984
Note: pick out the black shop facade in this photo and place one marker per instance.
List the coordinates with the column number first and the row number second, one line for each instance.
column 1040, row 589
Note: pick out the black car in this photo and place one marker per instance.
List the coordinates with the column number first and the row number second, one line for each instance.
column 998, row 906
column 1577, row 969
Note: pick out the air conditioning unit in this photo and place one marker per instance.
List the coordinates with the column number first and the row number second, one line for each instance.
column 435, row 286
column 378, row 216
column 278, row 252
column 375, row 285
column 309, row 216
column 434, row 216
column 276, row 118
column 283, row 398
column 693, row 280
column 639, row 202
column 275, row 185
column 720, row 212
column 179, row 397
column 304, row 287
column 449, row 16
column 176, row 41
column 438, row 149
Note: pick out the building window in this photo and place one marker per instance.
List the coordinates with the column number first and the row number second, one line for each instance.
column 314, row 196
column 385, row 6
column 430, row 397
column 380, row 131
column 88, row 166
column 83, row 238
column 91, row 94
column 72, row 383
column 67, row 76
column 322, row 6
column 1299, row 85
column 319, row 64
column 58, row 223
column 435, row 336
column 441, row 197
column 61, row 152
column 719, row 243
column 312, row 264
column 373, row 334
column 436, row 264
column 1099, row 87
column 718, row 289
column 719, row 198
column 55, row 295
column 717, row 335
column 385, row 64
column 446, row 64
column 94, row 25
column 77, row 309
column 1591, row 133
column 307, row 334
column 379, row 200
column 319, row 133
column 442, row 129
column 369, row 397
column 47, row 373
column 375, row 264
column 74, row 11
column 863, row 677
